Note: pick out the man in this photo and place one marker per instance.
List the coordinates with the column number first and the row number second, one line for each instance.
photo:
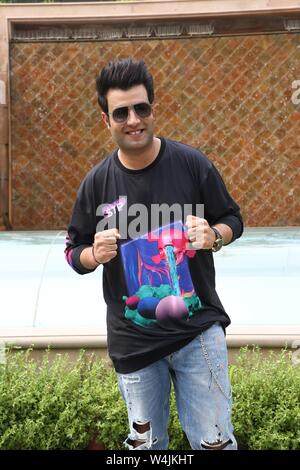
column 164, row 318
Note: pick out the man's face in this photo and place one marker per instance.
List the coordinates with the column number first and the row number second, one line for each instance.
column 135, row 134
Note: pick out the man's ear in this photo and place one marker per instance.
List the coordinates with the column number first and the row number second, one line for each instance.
column 105, row 119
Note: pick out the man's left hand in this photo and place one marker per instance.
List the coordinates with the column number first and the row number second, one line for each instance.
column 199, row 233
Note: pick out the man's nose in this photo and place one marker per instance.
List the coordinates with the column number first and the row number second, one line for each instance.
column 132, row 117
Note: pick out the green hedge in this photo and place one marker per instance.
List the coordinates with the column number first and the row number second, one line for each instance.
column 62, row 405
column 266, row 393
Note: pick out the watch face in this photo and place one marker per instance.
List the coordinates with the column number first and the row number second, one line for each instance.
column 218, row 244
column 218, row 241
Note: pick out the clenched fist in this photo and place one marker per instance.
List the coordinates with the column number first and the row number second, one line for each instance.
column 199, row 233
column 105, row 245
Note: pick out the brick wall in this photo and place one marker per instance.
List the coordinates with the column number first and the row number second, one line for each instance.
column 228, row 96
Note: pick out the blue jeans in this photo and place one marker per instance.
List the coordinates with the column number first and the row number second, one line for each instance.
column 199, row 372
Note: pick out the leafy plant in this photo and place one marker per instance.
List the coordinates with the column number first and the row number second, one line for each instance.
column 63, row 405
column 59, row 405
column 266, row 409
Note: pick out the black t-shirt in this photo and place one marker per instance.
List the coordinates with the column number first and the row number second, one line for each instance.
column 159, row 293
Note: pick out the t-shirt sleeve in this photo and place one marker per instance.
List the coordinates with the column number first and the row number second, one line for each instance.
column 82, row 227
column 219, row 207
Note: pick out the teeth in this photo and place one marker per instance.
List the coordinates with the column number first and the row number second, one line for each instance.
column 135, row 132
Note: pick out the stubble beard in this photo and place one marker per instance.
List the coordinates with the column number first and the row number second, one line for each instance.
column 128, row 147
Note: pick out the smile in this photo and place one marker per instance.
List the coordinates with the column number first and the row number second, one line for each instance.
column 138, row 132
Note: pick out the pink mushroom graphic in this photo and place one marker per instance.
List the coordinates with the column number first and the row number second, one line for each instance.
column 175, row 238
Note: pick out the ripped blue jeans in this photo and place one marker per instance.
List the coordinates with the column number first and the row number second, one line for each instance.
column 199, row 372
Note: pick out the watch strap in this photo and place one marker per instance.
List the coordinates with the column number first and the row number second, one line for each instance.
column 219, row 241
column 217, row 233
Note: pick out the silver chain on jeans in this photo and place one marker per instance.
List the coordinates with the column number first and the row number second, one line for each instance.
column 212, row 371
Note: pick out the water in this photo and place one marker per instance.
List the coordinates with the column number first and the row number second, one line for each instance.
column 173, row 271
column 258, row 281
column 66, row 299
column 258, row 277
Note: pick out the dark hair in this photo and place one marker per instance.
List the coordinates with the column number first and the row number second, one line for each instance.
column 123, row 74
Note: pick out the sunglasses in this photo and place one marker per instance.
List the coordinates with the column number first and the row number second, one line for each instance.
column 142, row 110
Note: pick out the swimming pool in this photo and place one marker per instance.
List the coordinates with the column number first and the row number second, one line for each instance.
column 258, row 280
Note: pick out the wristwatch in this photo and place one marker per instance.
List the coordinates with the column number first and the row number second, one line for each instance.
column 219, row 241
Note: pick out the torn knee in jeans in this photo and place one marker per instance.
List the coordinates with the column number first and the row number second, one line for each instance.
column 141, row 427
column 143, row 436
column 218, row 445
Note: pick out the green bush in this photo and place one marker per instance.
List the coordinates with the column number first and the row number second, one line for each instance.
column 58, row 406
column 63, row 405
column 266, row 406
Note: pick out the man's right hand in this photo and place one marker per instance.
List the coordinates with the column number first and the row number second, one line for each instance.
column 105, row 245
column 105, row 249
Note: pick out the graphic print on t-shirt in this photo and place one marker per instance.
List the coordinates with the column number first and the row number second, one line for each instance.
column 158, row 279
